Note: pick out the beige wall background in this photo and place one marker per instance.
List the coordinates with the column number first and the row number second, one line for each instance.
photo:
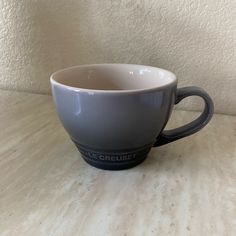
column 196, row 39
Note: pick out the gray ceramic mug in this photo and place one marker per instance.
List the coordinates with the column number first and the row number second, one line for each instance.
column 115, row 113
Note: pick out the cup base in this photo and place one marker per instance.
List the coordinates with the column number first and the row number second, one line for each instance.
column 114, row 160
column 119, row 166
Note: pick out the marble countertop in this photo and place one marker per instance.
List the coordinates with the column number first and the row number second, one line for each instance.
column 184, row 188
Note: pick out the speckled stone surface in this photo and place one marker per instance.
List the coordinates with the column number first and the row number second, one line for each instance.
column 184, row 188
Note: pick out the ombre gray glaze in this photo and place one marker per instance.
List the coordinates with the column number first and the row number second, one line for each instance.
column 115, row 129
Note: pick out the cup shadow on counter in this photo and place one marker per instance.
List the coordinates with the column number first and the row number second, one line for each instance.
column 163, row 159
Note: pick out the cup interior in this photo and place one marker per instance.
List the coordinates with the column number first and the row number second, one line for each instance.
column 113, row 77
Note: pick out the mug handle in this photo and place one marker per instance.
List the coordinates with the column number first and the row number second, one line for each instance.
column 168, row 136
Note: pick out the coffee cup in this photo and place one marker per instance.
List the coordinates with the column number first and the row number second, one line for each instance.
column 115, row 113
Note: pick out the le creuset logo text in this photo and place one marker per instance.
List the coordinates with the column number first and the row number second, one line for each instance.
column 108, row 157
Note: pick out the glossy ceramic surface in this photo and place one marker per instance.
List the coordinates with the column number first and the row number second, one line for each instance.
column 114, row 112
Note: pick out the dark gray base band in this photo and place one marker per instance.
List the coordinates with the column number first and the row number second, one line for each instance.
column 114, row 160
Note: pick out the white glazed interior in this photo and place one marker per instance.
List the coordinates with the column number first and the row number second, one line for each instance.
column 113, row 77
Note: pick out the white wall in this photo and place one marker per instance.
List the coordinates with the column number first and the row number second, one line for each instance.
column 196, row 39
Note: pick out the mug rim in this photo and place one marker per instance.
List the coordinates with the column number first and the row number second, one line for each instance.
column 53, row 80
